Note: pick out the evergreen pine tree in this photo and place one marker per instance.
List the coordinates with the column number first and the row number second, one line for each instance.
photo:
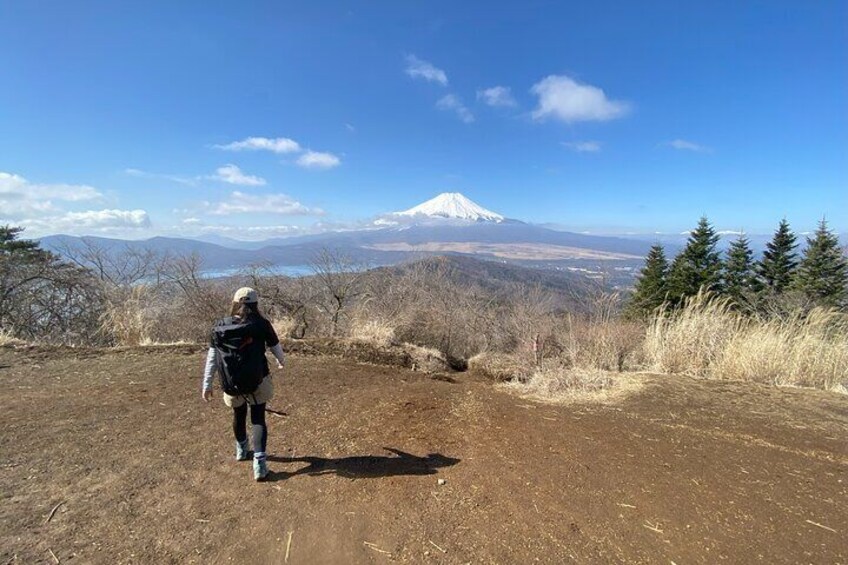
column 823, row 272
column 779, row 260
column 698, row 265
column 651, row 288
column 739, row 279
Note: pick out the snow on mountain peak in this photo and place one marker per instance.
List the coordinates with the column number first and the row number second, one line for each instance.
column 452, row 205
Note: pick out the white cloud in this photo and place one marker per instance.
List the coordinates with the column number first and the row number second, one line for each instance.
column 115, row 222
column 417, row 68
column 451, row 102
column 350, row 128
column 242, row 203
column 584, row 146
column 99, row 219
column 19, row 197
column 275, row 145
column 318, row 160
column 497, row 96
column 683, row 145
column 233, row 175
column 565, row 99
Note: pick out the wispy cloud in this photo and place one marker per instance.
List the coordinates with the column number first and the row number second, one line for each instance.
column 232, row 174
column 275, row 145
column 242, row 203
column 188, row 181
column 683, row 145
column 583, row 146
column 497, row 96
column 565, row 99
column 318, row 160
column 451, row 102
column 418, row 68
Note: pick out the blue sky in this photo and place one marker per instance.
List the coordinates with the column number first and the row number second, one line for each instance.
column 258, row 119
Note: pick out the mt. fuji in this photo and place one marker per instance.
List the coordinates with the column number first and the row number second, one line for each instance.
column 452, row 205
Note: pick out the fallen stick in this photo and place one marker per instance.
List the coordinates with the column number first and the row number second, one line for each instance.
column 821, row 526
column 375, row 548
column 52, row 512
column 202, row 521
column 56, row 559
column 288, row 547
column 653, row 527
column 437, row 547
column 625, row 505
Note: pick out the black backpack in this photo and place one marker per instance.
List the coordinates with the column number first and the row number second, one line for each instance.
column 241, row 355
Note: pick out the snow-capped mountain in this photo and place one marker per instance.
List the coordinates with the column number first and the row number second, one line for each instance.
column 451, row 205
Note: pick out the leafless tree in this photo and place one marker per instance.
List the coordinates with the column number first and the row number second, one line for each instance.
column 341, row 281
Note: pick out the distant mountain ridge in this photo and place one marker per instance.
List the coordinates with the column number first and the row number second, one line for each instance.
column 449, row 224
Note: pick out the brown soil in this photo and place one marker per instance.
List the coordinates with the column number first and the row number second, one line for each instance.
column 684, row 471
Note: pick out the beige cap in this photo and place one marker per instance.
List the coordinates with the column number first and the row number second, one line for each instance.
column 246, row 294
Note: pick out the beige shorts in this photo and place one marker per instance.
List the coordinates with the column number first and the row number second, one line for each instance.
column 261, row 395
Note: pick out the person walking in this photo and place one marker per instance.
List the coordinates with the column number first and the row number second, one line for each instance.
column 237, row 354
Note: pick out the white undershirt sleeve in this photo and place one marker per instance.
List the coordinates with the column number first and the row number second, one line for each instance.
column 210, row 369
column 277, row 352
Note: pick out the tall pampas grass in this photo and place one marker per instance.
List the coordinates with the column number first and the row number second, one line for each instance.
column 707, row 337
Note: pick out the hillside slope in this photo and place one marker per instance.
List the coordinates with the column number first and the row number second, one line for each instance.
column 139, row 470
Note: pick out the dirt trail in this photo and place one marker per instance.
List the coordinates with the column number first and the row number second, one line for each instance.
column 685, row 471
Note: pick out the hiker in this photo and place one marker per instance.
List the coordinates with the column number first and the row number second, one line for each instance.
column 237, row 354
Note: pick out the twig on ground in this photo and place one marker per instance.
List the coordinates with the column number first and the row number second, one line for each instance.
column 288, row 547
column 56, row 559
column 375, row 548
column 52, row 512
column 437, row 547
column 625, row 505
column 202, row 521
column 821, row 526
column 653, row 527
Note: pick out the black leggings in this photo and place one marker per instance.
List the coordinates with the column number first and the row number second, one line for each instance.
column 257, row 420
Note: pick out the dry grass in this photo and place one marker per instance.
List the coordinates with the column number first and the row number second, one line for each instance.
column 607, row 345
column 557, row 383
column 377, row 332
column 707, row 338
column 809, row 350
column 426, row 359
column 9, row 340
column 499, row 367
column 284, row 326
column 125, row 318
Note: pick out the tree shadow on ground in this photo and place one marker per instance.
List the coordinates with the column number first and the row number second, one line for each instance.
column 366, row 466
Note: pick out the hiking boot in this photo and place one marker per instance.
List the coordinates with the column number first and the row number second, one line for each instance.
column 260, row 468
column 242, row 451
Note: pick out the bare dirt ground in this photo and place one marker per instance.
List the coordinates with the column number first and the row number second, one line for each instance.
column 685, row 471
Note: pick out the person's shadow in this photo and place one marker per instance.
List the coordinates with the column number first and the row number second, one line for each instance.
column 366, row 466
